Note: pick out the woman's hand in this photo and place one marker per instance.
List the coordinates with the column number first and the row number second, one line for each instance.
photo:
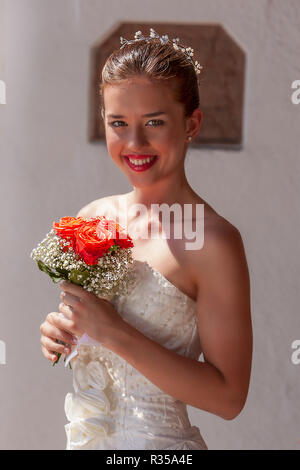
column 87, row 313
column 50, row 333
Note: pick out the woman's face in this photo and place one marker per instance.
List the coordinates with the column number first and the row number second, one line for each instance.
column 129, row 132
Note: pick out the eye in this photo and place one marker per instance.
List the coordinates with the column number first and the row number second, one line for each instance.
column 112, row 123
column 157, row 120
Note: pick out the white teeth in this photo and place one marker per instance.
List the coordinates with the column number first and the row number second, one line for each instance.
column 141, row 162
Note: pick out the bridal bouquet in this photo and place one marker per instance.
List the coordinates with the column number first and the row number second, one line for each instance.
column 91, row 252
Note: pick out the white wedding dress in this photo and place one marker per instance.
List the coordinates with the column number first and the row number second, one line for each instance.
column 113, row 405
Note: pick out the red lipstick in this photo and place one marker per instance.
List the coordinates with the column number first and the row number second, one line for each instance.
column 140, row 166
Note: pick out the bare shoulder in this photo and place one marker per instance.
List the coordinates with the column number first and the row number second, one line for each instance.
column 104, row 206
column 223, row 246
column 220, row 233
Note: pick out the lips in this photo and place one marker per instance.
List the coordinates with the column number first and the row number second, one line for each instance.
column 139, row 157
column 141, row 166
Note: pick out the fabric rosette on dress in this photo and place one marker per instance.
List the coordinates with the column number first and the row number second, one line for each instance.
column 88, row 408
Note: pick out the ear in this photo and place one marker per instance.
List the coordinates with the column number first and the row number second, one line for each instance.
column 193, row 123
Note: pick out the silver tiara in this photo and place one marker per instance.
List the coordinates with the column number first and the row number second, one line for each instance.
column 188, row 51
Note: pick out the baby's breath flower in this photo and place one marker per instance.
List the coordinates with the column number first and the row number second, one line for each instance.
column 111, row 275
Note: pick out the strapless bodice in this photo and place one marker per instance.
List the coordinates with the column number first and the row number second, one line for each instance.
column 113, row 405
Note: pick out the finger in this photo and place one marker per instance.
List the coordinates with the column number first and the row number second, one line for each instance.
column 69, row 312
column 74, row 289
column 66, row 310
column 54, row 318
column 72, row 300
column 48, row 329
column 66, row 297
column 63, row 323
column 48, row 355
column 53, row 347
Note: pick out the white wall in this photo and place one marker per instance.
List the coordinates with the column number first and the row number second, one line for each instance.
column 48, row 170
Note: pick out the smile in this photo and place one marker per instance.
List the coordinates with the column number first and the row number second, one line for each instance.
column 140, row 162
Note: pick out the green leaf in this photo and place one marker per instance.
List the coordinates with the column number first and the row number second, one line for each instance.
column 55, row 274
column 78, row 276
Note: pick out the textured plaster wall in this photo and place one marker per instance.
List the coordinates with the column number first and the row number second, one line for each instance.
column 48, row 170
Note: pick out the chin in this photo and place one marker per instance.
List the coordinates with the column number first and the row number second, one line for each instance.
column 138, row 183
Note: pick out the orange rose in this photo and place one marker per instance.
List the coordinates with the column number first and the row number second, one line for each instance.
column 67, row 227
column 122, row 238
column 119, row 234
column 91, row 245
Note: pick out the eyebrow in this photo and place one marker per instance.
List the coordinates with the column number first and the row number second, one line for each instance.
column 118, row 116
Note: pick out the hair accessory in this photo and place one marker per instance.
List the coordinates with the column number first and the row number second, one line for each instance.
column 188, row 51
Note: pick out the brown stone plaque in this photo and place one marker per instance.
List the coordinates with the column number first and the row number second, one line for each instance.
column 221, row 79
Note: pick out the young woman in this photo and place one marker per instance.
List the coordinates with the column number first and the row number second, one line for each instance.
column 131, row 391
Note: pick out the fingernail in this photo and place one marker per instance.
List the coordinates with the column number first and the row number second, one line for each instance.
column 66, row 350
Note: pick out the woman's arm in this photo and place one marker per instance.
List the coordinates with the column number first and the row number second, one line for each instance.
column 220, row 384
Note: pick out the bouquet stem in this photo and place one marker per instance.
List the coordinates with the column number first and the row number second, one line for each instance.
column 59, row 354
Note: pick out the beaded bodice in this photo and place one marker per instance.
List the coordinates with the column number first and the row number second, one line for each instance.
column 112, row 399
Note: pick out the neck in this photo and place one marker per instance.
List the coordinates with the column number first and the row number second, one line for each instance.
column 168, row 191
column 175, row 190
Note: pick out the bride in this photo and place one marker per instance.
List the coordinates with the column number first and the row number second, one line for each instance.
column 131, row 388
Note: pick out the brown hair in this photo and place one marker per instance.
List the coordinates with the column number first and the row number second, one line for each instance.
column 157, row 62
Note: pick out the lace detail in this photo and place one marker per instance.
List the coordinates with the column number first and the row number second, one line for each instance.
column 165, row 283
column 114, row 406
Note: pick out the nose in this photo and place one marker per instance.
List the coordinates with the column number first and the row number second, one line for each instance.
column 136, row 139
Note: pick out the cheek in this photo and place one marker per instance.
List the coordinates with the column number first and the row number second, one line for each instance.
column 167, row 141
column 114, row 144
column 170, row 134
column 112, row 137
